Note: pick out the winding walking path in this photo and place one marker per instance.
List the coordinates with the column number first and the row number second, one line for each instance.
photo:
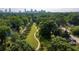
column 23, row 30
column 31, row 39
column 37, row 41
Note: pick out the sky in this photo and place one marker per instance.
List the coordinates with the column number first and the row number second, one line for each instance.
column 48, row 5
column 39, row 3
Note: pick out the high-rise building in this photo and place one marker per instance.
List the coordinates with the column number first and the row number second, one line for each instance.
column 25, row 10
column 9, row 10
column 31, row 10
column 19, row 11
column 1, row 11
column 5, row 10
column 35, row 11
column 42, row 11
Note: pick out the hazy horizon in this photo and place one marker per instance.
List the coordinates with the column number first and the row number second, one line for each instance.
column 46, row 9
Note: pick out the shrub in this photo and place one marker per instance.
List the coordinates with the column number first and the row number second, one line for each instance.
column 75, row 30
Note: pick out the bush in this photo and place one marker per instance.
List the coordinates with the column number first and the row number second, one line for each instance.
column 75, row 30
column 61, row 33
column 60, row 44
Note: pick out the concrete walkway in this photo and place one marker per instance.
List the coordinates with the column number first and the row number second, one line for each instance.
column 37, row 41
column 71, row 36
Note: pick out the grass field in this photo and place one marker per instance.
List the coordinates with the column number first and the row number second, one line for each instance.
column 30, row 37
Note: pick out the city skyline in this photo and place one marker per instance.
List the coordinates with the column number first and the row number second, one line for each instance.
column 40, row 9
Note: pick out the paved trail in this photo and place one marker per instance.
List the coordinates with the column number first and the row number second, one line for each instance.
column 38, row 46
column 72, row 36
column 75, row 38
column 37, row 41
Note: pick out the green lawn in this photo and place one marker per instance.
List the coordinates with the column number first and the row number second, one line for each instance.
column 30, row 37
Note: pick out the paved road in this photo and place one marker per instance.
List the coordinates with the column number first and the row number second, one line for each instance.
column 72, row 36
column 75, row 38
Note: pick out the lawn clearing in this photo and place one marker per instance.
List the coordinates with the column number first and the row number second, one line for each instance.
column 30, row 37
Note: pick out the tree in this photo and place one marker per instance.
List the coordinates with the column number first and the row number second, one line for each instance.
column 4, row 32
column 15, row 23
column 17, row 43
column 2, row 22
column 25, row 21
column 60, row 21
column 47, row 28
column 75, row 30
column 74, row 20
column 60, row 44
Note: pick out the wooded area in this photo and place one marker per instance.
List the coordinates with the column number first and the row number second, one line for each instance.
column 57, row 31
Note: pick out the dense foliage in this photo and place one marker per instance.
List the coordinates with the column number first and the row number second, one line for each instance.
column 11, row 38
column 61, row 44
column 47, row 28
column 52, row 24
column 50, row 32
column 75, row 30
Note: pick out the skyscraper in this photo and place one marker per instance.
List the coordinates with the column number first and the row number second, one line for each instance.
column 35, row 11
column 31, row 10
column 25, row 10
column 1, row 11
column 9, row 10
column 5, row 10
column 19, row 11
